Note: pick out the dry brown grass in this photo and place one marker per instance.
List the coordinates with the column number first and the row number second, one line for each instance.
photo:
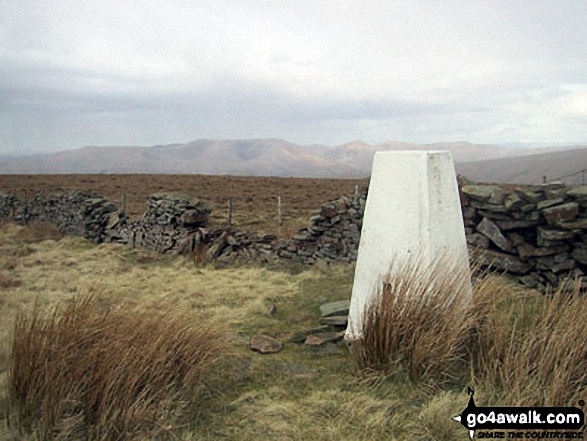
column 103, row 373
column 301, row 393
column 417, row 322
column 519, row 347
column 40, row 231
column 531, row 350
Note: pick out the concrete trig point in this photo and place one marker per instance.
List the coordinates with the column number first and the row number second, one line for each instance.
column 412, row 209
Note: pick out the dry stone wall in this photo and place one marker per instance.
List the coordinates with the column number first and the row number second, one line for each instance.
column 537, row 233
column 169, row 219
column 77, row 213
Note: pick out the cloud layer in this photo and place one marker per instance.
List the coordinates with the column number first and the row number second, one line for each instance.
column 145, row 72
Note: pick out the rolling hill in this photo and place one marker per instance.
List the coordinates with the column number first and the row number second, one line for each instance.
column 272, row 157
column 565, row 165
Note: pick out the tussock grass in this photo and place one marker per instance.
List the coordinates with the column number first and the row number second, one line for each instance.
column 511, row 345
column 417, row 322
column 519, row 347
column 531, row 350
column 103, row 373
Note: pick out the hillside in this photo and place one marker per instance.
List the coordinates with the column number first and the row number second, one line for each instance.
column 272, row 157
column 529, row 169
column 256, row 157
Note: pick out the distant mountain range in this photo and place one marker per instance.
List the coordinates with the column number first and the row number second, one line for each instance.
column 272, row 157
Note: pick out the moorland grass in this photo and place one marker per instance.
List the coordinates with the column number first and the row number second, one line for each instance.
column 522, row 348
column 103, row 373
column 302, row 393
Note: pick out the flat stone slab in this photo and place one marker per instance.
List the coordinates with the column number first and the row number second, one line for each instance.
column 549, row 203
column 340, row 307
column 578, row 192
column 265, row 344
column 544, row 235
column 580, row 255
column 337, row 320
column 529, row 195
column 526, row 250
column 579, row 224
column 324, row 337
column 481, row 193
column 300, row 336
column 561, row 213
column 502, row 261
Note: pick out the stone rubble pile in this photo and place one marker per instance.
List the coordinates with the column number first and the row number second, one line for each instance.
column 333, row 323
column 538, row 233
column 169, row 219
column 229, row 245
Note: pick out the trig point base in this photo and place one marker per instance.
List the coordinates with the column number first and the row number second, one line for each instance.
column 413, row 209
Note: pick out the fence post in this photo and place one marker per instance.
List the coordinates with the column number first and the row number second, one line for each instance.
column 123, row 205
column 279, row 213
column 230, row 212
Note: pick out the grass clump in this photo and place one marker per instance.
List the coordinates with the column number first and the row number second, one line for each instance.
column 417, row 323
column 105, row 373
column 532, row 350
column 519, row 347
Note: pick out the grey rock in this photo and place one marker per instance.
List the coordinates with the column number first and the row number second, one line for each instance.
column 323, row 337
column 549, row 203
column 502, row 261
column 561, row 213
column 476, row 240
column 340, row 307
column 528, row 195
column 580, row 255
column 493, row 233
column 579, row 224
column 482, row 193
column 488, row 207
column 265, row 344
column 336, row 320
column 545, row 236
column 516, row 224
column 578, row 192
column 527, row 251
column 513, row 202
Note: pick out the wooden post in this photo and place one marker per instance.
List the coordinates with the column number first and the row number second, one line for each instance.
column 230, row 212
column 279, row 213
column 123, row 204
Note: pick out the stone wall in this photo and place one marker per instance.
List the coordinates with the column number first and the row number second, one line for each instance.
column 538, row 233
column 169, row 219
column 77, row 213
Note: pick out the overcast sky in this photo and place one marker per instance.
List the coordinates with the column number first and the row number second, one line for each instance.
column 115, row 72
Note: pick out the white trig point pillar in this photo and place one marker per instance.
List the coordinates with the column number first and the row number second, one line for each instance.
column 413, row 209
